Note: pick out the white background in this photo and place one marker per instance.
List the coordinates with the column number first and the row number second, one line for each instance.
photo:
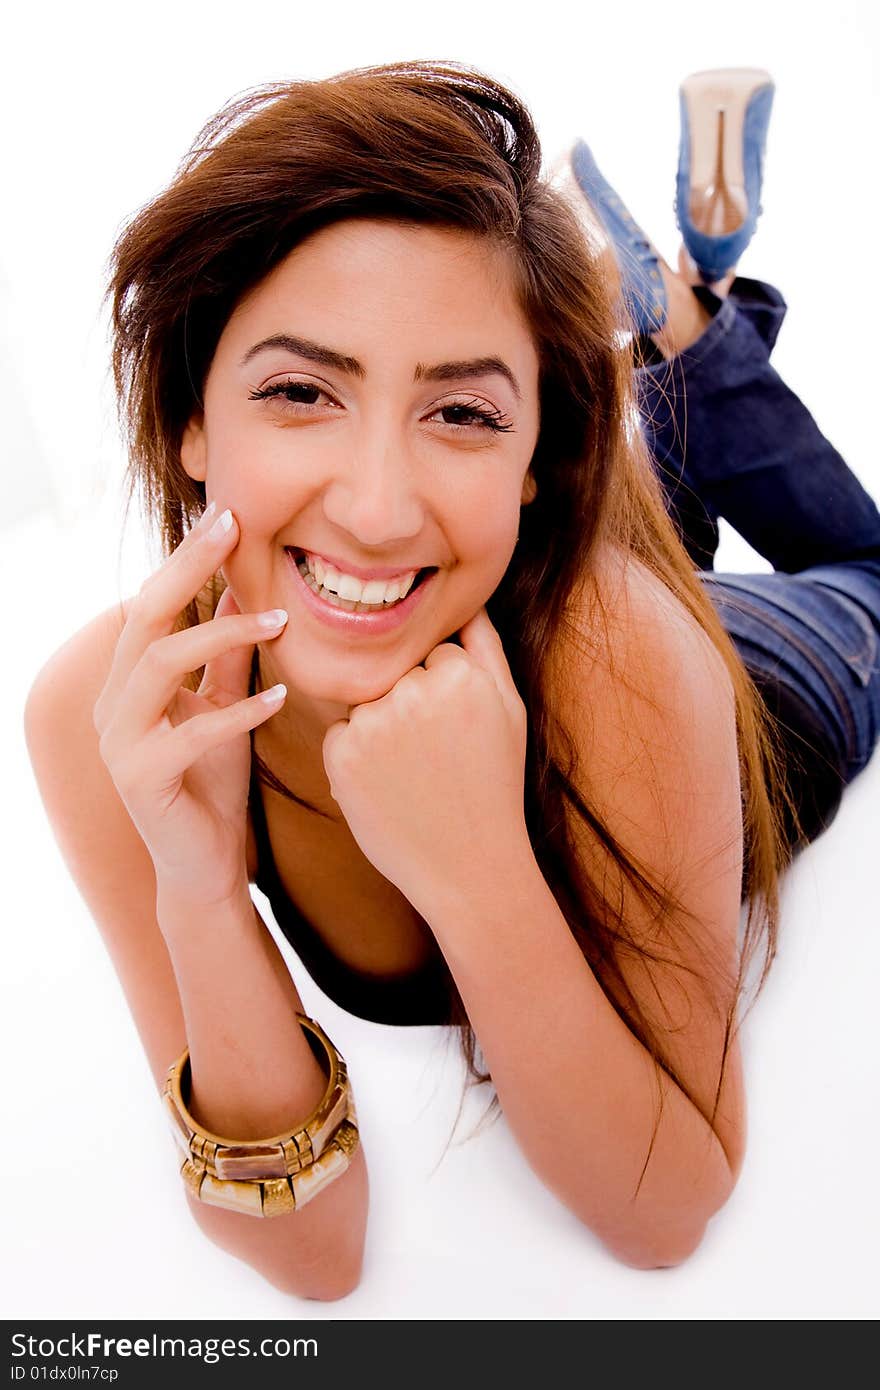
column 97, row 105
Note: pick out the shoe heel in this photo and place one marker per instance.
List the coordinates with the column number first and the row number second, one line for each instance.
column 724, row 117
column 716, row 106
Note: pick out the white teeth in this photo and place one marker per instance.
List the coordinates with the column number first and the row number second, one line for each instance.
column 387, row 594
column 347, row 587
column 374, row 591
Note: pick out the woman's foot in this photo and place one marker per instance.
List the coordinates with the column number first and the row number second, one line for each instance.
column 659, row 303
column 687, row 317
column 638, row 264
column 725, row 113
column 690, row 273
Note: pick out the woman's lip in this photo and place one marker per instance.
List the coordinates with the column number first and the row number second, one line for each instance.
column 361, row 623
column 358, row 571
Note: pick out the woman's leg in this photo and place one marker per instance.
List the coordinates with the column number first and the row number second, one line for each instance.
column 730, row 439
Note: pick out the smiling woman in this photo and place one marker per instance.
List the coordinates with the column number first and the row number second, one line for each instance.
column 371, row 409
column 429, row 661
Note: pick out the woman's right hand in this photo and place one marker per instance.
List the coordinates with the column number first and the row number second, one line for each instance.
column 181, row 760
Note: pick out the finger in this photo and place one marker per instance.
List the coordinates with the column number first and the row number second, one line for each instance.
column 165, row 594
column 202, row 524
column 198, row 528
column 226, row 677
column 179, row 748
column 446, row 651
column 160, row 671
column 479, row 638
column 330, row 740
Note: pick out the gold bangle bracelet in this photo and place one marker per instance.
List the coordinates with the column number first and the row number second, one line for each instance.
column 272, row 1176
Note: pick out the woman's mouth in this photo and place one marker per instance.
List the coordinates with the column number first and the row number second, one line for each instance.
column 343, row 601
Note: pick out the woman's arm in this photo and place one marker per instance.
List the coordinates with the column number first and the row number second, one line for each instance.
column 658, row 758
column 226, row 993
column 579, row 1091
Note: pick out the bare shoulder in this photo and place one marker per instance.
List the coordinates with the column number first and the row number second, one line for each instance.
column 626, row 626
column 58, row 718
column 648, row 702
column 88, row 652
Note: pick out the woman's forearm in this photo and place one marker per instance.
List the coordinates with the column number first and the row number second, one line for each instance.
column 253, row 1071
column 578, row 1090
column 254, row 1074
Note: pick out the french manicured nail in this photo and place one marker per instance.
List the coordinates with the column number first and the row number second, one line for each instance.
column 273, row 696
column 277, row 617
column 221, row 526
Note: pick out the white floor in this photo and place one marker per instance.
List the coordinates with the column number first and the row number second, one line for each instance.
column 94, row 1224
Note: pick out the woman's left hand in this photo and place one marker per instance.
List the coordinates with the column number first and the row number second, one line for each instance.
column 430, row 777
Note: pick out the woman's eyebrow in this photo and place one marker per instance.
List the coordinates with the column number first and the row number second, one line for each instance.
column 328, row 357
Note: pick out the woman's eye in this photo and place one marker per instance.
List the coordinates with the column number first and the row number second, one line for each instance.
column 472, row 415
column 293, row 393
column 303, row 396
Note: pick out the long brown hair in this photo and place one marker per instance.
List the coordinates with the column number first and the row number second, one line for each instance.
column 439, row 144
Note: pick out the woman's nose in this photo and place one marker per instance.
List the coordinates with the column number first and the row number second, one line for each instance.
column 374, row 496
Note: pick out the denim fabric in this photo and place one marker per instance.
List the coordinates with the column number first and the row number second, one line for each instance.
column 731, row 440
column 795, row 629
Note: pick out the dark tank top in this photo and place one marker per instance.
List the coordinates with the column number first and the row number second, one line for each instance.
column 421, row 997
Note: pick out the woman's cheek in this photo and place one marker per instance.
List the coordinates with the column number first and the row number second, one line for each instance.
column 504, row 544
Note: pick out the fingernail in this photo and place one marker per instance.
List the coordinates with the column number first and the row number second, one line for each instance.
column 273, row 696
column 275, row 618
column 221, row 527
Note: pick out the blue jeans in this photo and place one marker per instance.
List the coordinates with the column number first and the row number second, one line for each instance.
column 730, row 440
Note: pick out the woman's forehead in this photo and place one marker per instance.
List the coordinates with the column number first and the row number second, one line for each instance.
column 369, row 276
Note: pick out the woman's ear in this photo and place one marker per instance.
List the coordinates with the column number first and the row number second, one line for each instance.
column 530, row 489
column 193, row 450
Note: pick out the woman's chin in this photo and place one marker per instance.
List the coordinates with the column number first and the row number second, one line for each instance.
column 344, row 690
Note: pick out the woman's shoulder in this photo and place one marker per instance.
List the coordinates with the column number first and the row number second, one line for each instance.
column 79, row 665
column 640, row 698
column 625, row 626
column 82, row 662
column 59, row 725
column 60, row 733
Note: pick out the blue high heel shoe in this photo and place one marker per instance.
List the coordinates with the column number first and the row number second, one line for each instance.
column 644, row 293
column 724, row 118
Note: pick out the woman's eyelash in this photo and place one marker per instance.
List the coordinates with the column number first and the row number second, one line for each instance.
column 479, row 414
column 285, row 389
column 490, row 419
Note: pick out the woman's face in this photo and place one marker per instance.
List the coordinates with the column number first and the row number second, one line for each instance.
column 351, row 415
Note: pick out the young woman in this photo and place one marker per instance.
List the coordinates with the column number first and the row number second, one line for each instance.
column 429, row 662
